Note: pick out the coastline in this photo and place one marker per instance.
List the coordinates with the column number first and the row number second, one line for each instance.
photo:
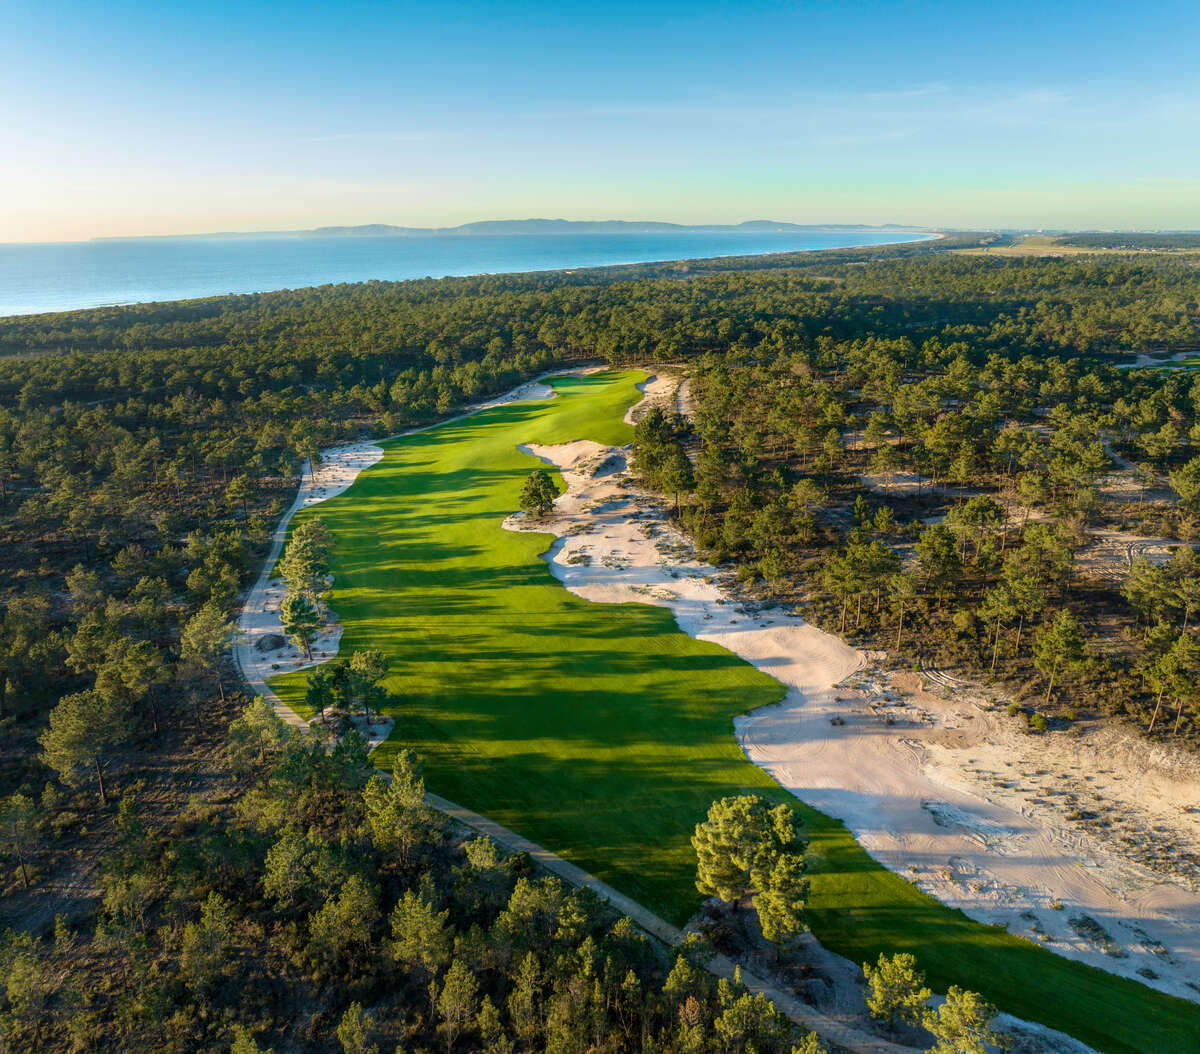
column 27, row 271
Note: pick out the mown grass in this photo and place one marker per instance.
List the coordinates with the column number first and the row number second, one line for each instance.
column 603, row 733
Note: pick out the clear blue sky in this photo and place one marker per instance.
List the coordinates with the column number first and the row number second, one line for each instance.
column 177, row 116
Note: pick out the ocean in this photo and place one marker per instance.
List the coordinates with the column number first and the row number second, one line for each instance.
column 64, row 276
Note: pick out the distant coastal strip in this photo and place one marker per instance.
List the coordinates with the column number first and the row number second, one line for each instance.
column 67, row 276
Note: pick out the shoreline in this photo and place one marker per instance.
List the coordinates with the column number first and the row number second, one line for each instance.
column 302, row 283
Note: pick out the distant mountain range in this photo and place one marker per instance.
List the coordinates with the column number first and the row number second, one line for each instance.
column 540, row 226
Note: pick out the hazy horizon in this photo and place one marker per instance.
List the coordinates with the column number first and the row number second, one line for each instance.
column 830, row 225
column 56, row 276
column 133, row 119
column 446, row 228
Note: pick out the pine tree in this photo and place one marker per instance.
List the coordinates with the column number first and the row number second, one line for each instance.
column 903, row 594
column 1180, row 673
column 962, row 1024
column 782, row 894
column 367, row 669
column 204, row 639
column 340, row 932
column 421, row 935
column 354, row 1030
column 538, row 493
column 255, row 734
column 524, row 1001
column 19, row 820
column 998, row 607
column 896, row 990
column 300, row 621
column 239, row 490
column 459, row 1001
column 938, row 554
column 1059, row 648
column 304, row 565
column 738, row 842
column 84, row 729
column 491, row 1029
column 401, row 822
column 675, row 473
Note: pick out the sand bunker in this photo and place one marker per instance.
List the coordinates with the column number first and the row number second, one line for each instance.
column 938, row 783
column 663, row 391
column 261, row 648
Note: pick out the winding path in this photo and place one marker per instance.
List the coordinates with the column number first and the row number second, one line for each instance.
column 828, row 1028
column 256, row 598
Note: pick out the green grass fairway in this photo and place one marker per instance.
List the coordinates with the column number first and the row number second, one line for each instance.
column 603, row 733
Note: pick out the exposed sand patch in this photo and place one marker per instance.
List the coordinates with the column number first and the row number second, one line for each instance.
column 684, row 403
column 898, row 483
column 1124, row 486
column 1111, row 553
column 662, row 391
column 947, row 791
column 939, row 785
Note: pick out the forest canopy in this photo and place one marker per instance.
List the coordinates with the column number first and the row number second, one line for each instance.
column 147, row 452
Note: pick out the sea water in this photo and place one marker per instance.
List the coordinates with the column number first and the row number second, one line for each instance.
column 63, row 276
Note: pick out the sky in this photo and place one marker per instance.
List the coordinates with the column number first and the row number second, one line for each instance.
column 123, row 118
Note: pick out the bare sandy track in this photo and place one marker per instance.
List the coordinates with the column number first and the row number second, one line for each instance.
column 939, row 785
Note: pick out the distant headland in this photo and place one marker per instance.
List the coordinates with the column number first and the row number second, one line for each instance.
column 541, row 226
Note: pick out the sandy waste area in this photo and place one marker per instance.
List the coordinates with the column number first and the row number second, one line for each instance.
column 1085, row 841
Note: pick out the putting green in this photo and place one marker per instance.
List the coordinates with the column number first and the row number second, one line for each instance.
column 603, row 733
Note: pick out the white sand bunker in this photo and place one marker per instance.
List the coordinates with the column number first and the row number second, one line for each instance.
column 935, row 787
column 664, row 391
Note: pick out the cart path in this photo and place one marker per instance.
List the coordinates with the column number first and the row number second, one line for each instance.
column 828, row 1028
